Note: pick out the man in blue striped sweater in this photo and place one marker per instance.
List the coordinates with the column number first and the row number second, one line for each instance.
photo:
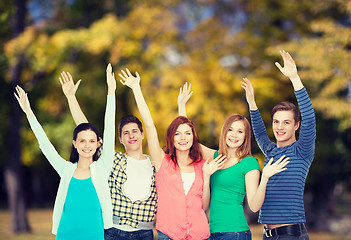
column 283, row 211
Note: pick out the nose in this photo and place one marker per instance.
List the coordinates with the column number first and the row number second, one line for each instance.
column 280, row 126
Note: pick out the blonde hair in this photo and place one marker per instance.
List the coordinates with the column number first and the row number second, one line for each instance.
column 245, row 148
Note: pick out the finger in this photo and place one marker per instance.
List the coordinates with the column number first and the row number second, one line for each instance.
column 124, row 74
column 280, row 170
column 283, row 164
column 65, row 77
column 123, row 77
column 278, row 66
column 279, row 160
column 185, row 86
column 109, row 68
column 78, row 82
column 137, row 74
column 190, row 95
column 70, row 76
column 129, row 74
column 16, row 96
column 61, row 81
column 270, row 161
column 122, row 82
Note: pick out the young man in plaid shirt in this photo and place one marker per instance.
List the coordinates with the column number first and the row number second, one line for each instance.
column 132, row 179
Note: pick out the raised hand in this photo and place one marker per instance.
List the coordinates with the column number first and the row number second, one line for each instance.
column 249, row 92
column 289, row 68
column 68, row 86
column 129, row 80
column 110, row 79
column 23, row 101
column 184, row 94
column 212, row 166
column 277, row 167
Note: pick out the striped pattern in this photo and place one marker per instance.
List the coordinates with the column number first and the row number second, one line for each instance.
column 284, row 194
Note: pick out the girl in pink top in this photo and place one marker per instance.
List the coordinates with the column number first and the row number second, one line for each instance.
column 180, row 208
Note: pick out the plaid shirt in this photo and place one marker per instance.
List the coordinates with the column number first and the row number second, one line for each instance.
column 124, row 210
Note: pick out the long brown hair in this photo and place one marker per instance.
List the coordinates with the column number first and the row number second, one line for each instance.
column 245, row 148
column 195, row 150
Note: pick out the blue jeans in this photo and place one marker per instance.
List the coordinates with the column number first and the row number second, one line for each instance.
column 116, row 234
column 245, row 235
column 162, row 236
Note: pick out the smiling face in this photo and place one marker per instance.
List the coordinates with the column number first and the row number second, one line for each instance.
column 131, row 137
column 183, row 137
column 284, row 128
column 236, row 135
column 86, row 144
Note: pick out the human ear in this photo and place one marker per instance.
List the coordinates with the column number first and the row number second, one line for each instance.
column 297, row 125
column 74, row 143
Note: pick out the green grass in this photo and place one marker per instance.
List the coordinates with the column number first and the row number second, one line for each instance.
column 40, row 221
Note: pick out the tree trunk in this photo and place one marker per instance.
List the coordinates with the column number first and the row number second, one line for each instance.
column 14, row 168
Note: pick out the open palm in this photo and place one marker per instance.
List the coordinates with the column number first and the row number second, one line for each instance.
column 128, row 79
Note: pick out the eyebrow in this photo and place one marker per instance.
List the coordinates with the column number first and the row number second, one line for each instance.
column 130, row 130
column 286, row 120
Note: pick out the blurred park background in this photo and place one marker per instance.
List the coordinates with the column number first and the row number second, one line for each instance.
column 210, row 43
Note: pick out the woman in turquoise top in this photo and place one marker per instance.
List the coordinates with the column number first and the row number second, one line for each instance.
column 226, row 188
column 83, row 205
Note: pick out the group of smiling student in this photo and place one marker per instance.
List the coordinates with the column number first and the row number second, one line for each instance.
column 105, row 194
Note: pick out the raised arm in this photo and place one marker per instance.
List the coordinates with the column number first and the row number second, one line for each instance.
column 258, row 126
column 307, row 135
column 109, row 125
column 156, row 151
column 45, row 145
column 183, row 97
column 249, row 93
column 257, row 192
column 290, row 70
column 70, row 89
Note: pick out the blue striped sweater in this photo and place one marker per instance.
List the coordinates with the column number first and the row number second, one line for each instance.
column 283, row 203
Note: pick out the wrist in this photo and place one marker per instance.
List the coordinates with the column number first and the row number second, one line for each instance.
column 111, row 91
column 136, row 88
column 206, row 176
column 295, row 78
column 264, row 178
column 69, row 97
column 29, row 113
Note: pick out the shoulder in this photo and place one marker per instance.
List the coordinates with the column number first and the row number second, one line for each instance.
column 250, row 161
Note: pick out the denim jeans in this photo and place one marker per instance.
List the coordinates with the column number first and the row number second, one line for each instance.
column 162, row 236
column 245, row 235
column 116, row 234
column 303, row 236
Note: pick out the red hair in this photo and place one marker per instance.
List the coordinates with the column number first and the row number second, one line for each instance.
column 195, row 151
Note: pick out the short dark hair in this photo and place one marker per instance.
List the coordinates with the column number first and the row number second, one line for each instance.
column 83, row 127
column 286, row 106
column 129, row 119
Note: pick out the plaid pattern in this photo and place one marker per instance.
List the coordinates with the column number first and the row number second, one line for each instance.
column 128, row 212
